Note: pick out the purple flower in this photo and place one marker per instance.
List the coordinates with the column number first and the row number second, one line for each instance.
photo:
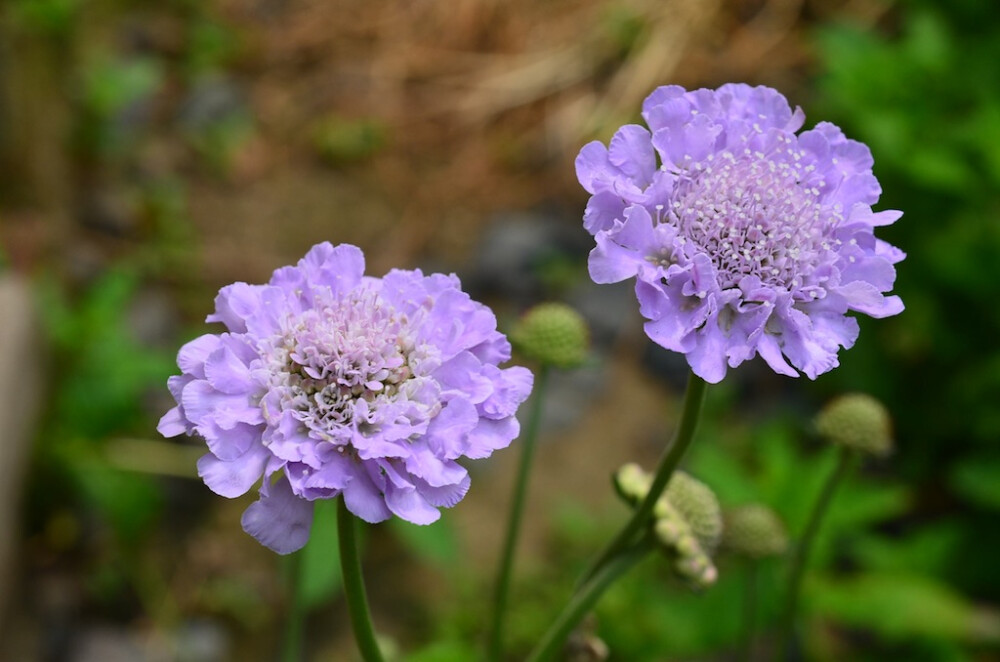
column 744, row 236
column 332, row 383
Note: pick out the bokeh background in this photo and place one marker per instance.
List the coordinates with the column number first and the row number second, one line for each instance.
column 151, row 153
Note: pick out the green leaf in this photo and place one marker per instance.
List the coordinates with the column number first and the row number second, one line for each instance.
column 977, row 478
column 445, row 651
column 435, row 543
column 901, row 606
column 927, row 550
column 129, row 502
column 113, row 85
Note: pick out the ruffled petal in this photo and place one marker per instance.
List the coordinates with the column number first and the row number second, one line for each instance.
column 235, row 477
column 280, row 521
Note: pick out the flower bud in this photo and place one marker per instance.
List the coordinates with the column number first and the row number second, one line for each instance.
column 632, row 483
column 552, row 334
column 753, row 530
column 687, row 545
column 856, row 421
column 697, row 569
column 671, row 531
column 697, row 504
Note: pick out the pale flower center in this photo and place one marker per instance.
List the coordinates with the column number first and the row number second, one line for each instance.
column 353, row 348
column 753, row 215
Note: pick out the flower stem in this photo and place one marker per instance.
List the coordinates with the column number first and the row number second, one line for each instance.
column 586, row 597
column 502, row 589
column 354, row 586
column 292, row 645
column 694, row 396
column 749, row 610
column 802, row 550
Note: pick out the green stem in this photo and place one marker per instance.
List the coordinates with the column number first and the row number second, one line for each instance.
column 292, row 650
column 354, row 586
column 749, row 609
column 502, row 590
column 802, row 550
column 694, row 396
column 585, row 598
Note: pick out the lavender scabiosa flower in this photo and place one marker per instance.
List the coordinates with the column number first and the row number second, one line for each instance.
column 332, row 383
column 744, row 236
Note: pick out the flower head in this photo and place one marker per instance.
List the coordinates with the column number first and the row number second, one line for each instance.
column 330, row 383
column 744, row 237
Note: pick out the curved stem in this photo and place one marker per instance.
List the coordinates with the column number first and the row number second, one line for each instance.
column 292, row 648
column 354, row 586
column 585, row 598
column 694, row 396
column 514, row 522
column 802, row 550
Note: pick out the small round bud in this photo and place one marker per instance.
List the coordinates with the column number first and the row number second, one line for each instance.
column 671, row 531
column 857, row 421
column 663, row 509
column 687, row 545
column 697, row 569
column 697, row 504
column 753, row 530
column 552, row 334
column 632, row 482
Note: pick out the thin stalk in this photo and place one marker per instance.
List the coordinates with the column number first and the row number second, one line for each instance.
column 354, row 586
column 502, row 590
column 585, row 598
column 292, row 645
column 749, row 609
column 803, row 549
column 694, row 396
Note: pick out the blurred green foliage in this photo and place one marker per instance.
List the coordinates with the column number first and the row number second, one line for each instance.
column 105, row 377
column 928, row 103
column 115, row 93
column 342, row 141
column 54, row 18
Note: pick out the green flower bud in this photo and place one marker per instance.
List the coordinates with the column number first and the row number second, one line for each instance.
column 753, row 530
column 688, row 545
column 857, row 421
column 697, row 504
column 552, row 334
column 632, row 483
column 697, row 569
column 671, row 531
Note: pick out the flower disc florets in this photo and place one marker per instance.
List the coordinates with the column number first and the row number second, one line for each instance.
column 332, row 383
column 744, row 236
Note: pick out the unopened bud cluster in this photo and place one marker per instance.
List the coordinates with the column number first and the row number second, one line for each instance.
column 754, row 530
column 856, row 421
column 687, row 520
column 552, row 334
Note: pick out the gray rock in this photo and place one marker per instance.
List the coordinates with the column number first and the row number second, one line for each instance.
column 515, row 250
column 21, row 373
column 105, row 643
column 609, row 309
column 211, row 100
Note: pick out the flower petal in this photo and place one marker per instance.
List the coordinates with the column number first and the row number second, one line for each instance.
column 280, row 521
